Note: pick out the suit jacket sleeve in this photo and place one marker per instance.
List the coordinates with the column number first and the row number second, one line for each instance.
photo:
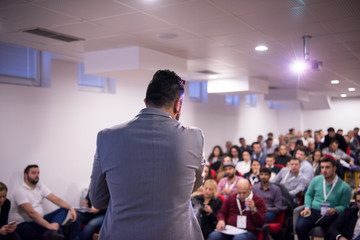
column 99, row 192
column 344, row 224
column 199, row 179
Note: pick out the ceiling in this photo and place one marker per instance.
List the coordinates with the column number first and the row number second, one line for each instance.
column 213, row 35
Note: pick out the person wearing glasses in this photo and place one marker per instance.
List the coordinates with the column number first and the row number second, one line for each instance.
column 145, row 170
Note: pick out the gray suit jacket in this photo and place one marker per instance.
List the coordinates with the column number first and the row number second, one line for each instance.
column 144, row 172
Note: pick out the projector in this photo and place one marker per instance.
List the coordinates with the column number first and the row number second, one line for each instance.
column 314, row 64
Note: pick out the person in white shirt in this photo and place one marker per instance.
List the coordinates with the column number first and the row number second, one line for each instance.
column 244, row 166
column 28, row 211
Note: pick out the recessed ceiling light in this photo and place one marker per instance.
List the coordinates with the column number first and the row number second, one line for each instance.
column 351, row 89
column 213, row 76
column 167, row 35
column 343, row 95
column 261, row 48
column 335, row 81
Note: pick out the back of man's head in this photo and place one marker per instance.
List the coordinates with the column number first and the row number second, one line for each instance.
column 165, row 88
column 26, row 170
column 3, row 187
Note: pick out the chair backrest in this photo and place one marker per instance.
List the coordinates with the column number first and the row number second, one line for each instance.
column 213, row 174
column 278, row 165
column 222, row 198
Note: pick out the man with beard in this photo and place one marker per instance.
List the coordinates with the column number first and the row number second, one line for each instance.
column 326, row 197
column 28, row 211
column 227, row 185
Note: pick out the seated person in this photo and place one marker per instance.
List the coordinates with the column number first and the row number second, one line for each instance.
column 269, row 163
column 7, row 231
column 270, row 193
column 292, row 180
column 227, row 184
column 338, row 154
column 346, row 226
column 200, row 189
column 28, row 211
column 235, row 154
column 254, row 173
column 243, row 210
column 214, row 158
column 258, row 153
column 244, row 165
column 283, row 157
column 206, row 207
column 93, row 219
column 315, row 159
column 306, row 168
column 326, row 197
column 220, row 173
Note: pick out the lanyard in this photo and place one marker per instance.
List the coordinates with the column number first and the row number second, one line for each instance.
column 232, row 185
column 239, row 205
column 326, row 196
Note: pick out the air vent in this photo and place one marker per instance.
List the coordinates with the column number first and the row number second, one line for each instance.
column 209, row 72
column 54, row 35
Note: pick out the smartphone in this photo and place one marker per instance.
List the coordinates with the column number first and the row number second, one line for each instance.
column 11, row 223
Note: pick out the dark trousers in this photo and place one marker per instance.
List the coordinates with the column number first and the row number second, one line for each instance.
column 304, row 225
column 33, row 230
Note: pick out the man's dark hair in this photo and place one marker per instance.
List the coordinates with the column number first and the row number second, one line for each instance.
column 270, row 155
column 3, row 187
column 334, row 140
column 252, row 145
column 356, row 128
column 26, row 170
column 165, row 88
column 357, row 193
column 302, row 149
column 327, row 159
column 241, row 138
column 331, row 129
column 265, row 170
column 295, row 159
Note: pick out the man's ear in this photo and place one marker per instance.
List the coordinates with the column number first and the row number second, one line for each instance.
column 177, row 105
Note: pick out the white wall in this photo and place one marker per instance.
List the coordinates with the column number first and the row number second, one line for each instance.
column 56, row 127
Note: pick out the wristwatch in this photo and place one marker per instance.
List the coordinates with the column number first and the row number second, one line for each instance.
column 254, row 211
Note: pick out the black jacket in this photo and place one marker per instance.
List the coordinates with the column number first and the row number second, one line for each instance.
column 344, row 224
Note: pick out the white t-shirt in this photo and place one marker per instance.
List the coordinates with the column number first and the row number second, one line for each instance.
column 243, row 167
column 25, row 194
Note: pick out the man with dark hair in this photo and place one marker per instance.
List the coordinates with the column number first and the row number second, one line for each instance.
column 306, row 167
column 332, row 135
column 356, row 133
column 326, row 197
column 339, row 155
column 243, row 146
column 270, row 161
column 7, row 230
column 145, row 170
column 227, row 185
column 258, row 153
column 270, row 193
column 269, row 146
column 29, row 214
column 347, row 225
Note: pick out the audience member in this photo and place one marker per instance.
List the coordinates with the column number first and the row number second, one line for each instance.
column 244, row 165
column 207, row 176
column 306, row 138
column 269, row 147
column 7, row 230
column 235, row 154
column 317, row 140
column 258, row 153
column 254, row 173
column 206, row 207
column 214, row 158
column 283, row 157
column 353, row 148
column 315, row 159
column 244, row 146
column 326, row 197
column 339, row 155
column 243, row 210
column 228, row 145
column 306, row 168
column 339, row 131
column 227, row 184
column 28, row 212
column 347, row 225
column 356, row 134
column 270, row 161
column 92, row 218
column 293, row 180
column 310, row 147
column 270, row 193
column 332, row 135
column 220, row 173
column 292, row 147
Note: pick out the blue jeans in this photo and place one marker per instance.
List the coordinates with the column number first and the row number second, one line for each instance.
column 304, row 225
column 243, row 236
column 270, row 217
column 33, row 230
column 93, row 223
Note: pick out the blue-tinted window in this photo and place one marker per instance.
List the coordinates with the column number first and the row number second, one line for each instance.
column 19, row 65
column 95, row 83
column 198, row 92
column 251, row 99
column 233, row 100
